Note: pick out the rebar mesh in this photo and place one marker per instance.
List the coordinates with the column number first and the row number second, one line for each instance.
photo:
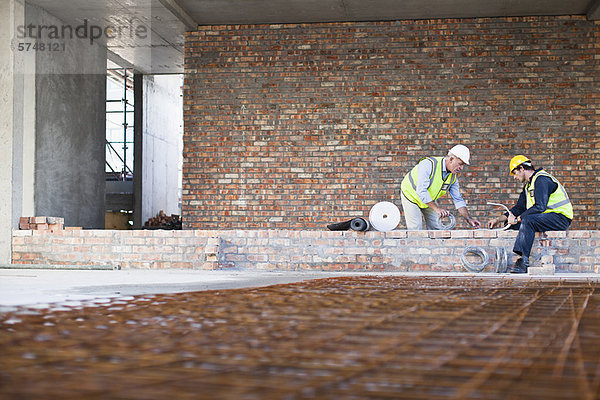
column 355, row 338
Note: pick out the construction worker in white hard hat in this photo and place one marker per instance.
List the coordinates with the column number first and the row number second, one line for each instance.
column 429, row 180
column 542, row 206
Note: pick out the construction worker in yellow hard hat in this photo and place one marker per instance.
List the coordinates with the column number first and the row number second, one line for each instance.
column 429, row 180
column 542, row 206
column 516, row 161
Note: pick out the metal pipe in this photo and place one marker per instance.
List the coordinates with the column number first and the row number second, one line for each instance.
column 117, row 154
column 506, row 208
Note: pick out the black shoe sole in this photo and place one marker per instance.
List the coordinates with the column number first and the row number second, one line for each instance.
column 518, row 271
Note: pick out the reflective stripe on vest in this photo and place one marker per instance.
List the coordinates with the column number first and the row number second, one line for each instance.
column 558, row 201
column 437, row 186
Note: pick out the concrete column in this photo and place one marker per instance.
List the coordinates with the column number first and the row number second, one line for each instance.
column 70, row 128
column 138, row 132
column 27, row 147
column 24, row 115
column 10, row 12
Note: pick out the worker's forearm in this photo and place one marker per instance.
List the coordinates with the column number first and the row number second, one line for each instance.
column 502, row 218
column 464, row 212
column 433, row 205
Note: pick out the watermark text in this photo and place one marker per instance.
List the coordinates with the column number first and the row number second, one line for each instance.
column 85, row 30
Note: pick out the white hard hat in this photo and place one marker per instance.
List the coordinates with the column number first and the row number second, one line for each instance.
column 461, row 152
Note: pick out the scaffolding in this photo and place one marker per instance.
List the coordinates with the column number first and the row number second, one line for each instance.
column 118, row 162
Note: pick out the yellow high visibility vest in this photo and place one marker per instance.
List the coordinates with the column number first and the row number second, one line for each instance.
column 559, row 200
column 437, row 186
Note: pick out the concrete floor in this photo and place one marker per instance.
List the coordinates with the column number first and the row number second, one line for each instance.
column 43, row 288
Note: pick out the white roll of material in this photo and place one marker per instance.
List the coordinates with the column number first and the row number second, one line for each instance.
column 384, row 216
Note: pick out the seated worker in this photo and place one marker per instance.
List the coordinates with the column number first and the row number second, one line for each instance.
column 542, row 206
column 429, row 180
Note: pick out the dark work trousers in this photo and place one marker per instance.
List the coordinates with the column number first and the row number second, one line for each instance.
column 538, row 223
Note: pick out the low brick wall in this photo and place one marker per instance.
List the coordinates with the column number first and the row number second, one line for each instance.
column 125, row 249
column 573, row 251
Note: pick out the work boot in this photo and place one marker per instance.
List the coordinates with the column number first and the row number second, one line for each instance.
column 520, row 266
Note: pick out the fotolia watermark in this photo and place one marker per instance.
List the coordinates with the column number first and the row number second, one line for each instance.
column 83, row 31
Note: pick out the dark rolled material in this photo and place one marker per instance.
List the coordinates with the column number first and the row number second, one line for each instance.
column 359, row 224
column 356, row 224
column 340, row 226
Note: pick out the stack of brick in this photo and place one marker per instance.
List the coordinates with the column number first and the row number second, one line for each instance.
column 162, row 220
column 42, row 223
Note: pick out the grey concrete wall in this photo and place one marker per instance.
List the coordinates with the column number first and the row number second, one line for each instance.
column 70, row 129
column 162, row 144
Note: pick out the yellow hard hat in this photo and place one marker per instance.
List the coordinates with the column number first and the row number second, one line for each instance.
column 516, row 161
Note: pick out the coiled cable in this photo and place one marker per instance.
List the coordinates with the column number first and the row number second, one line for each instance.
column 501, row 260
column 474, row 267
column 451, row 223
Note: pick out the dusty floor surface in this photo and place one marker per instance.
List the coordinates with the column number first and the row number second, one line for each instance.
column 47, row 288
column 371, row 337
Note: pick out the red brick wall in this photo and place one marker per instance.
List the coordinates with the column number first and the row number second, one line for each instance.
column 293, row 126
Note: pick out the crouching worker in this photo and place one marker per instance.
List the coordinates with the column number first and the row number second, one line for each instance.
column 429, row 180
column 542, row 206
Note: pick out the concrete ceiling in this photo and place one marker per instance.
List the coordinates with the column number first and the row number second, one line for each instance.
column 162, row 50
